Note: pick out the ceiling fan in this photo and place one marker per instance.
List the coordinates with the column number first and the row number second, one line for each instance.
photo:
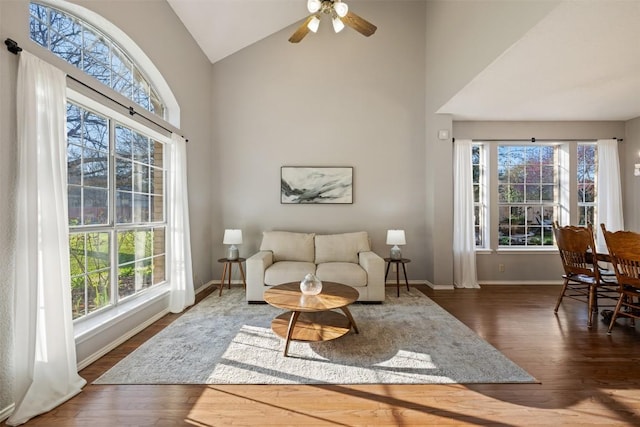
column 340, row 15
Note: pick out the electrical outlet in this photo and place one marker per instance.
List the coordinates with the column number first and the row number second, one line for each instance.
column 501, row 268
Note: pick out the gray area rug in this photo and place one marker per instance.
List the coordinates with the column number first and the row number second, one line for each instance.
column 406, row 340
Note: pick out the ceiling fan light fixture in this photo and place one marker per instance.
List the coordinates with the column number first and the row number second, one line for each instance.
column 341, row 8
column 314, row 24
column 314, row 5
column 340, row 16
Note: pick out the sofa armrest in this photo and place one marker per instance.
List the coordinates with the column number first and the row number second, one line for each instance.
column 373, row 264
column 256, row 266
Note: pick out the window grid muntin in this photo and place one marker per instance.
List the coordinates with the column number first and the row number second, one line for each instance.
column 155, row 263
column 586, row 174
column 479, row 194
column 527, row 194
column 146, row 177
column 42, row 17
column 82, row 272
column 90, row 150
column 142, row 265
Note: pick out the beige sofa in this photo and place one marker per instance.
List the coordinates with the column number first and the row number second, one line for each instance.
column 343, row 258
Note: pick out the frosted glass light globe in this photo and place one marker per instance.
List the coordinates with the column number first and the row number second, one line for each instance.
column 341, row 8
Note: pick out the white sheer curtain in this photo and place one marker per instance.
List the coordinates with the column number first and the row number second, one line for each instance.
column 609, row 191
column 182, row 293
column 464, row 256
column 45, row 369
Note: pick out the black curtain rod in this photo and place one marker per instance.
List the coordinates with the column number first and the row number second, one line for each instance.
column 13, row 47
column 538, row 140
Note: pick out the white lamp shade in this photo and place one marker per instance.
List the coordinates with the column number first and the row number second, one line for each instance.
column 396, row 237
column 341, row 8
column 314, row 5
column 337, row 25
column 314, row 24
column 232, row 237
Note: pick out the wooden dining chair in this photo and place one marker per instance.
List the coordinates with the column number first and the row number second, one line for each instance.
column 582, row 278
column 624, row 251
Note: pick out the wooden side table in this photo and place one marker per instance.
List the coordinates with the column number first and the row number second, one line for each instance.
column 397, row 263
column 228, row 266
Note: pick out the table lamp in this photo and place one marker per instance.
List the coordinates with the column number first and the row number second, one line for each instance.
column 395, row 238
column 233, row 238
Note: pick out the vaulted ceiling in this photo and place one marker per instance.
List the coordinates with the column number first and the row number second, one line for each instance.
column 223, row 27
column 580, row 62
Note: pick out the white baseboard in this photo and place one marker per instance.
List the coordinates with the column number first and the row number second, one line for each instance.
column 106, row 349
column 481, row 282
column 521, row 282
column 6, row 412
column 444, row 287
column 420, row 282
column 439, row 287
column 233, row 282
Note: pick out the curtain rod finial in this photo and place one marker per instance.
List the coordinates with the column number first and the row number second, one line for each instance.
column 12, row 46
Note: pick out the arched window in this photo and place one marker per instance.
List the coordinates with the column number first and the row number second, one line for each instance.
column 88, row 49
column 116, row 165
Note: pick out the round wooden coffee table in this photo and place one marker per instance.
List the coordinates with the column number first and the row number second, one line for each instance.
column 310, row 317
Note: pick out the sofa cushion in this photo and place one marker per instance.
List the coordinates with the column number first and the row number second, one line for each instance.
column 346, row 273
column 341, row 247
column 289, row 246
column 287, row 271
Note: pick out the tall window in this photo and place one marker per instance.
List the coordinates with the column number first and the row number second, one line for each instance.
column 527, row 194
column 533, row 186
column 92, row 52
column 586, row 174
column 116, row 210
column 116, row 171
column 479, row 194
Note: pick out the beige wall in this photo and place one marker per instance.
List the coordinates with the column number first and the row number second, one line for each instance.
column 462, row 38
column 8, row 154
column 331, row 100
column 7, row 189
column 629, row 156
column 364, row 102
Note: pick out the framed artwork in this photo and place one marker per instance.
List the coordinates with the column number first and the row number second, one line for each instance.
column 306, row 184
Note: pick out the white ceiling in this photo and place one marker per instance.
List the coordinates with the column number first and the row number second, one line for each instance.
column 581, row 62
column 223, row 27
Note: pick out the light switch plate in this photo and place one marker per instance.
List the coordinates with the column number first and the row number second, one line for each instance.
column 443, row 134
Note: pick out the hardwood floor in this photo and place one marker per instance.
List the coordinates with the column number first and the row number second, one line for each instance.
column 586, row 378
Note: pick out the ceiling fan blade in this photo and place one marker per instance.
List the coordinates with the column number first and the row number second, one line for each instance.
column 302, row 31
column 359, row 24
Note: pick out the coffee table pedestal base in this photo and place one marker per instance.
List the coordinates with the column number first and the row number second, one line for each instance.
column 310, row 326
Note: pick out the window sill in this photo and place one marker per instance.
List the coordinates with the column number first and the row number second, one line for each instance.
column 528, row 250
column 92, row 326
column 484, row 251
